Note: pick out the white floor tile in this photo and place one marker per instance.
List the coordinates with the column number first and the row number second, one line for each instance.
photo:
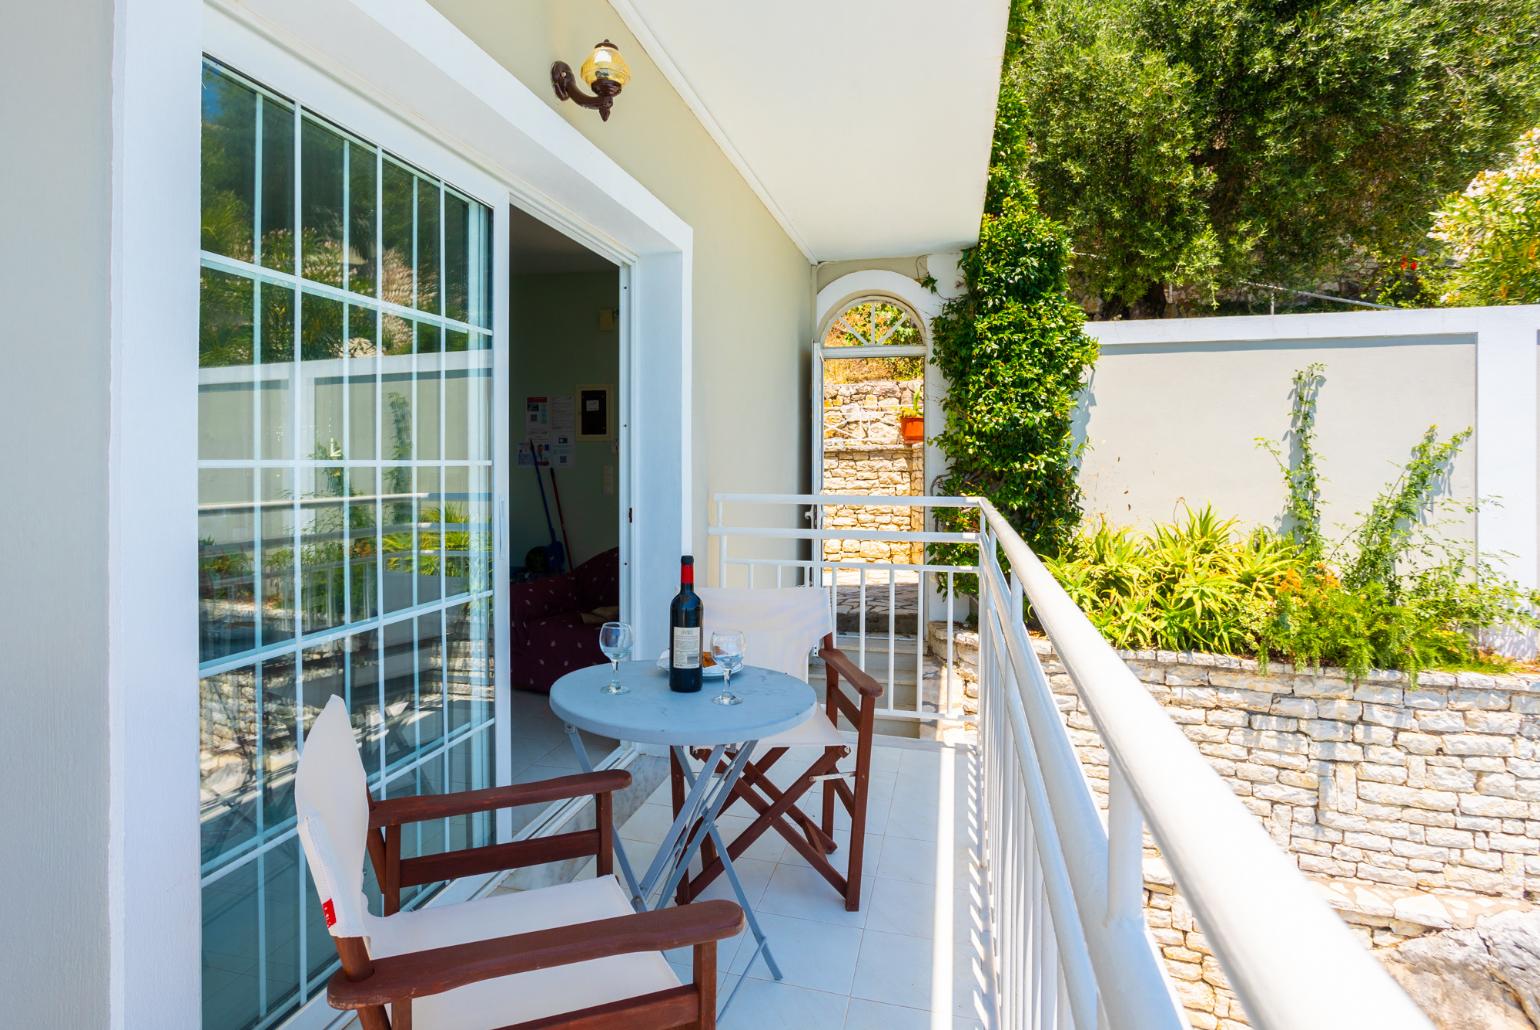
column 874, row 1015
column 815, row 955
column 879, row 799
column 885, row 760
column 752, row 873
column 902, row 906
column 767, row 1005
column 896, row 970
column 647, row 824
column 770, row 847
column 796, row 890
column 911, row 860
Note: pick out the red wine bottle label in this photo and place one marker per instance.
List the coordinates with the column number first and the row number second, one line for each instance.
column 686, row 647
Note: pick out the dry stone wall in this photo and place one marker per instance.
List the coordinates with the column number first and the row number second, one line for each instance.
column 864, row 454
column 1416, row 809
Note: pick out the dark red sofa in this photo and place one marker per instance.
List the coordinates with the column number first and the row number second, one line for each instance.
column 549, row 637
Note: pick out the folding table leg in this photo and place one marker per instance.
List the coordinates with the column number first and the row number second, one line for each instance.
column 674, row 853
column 709, row 827
column 617, row 847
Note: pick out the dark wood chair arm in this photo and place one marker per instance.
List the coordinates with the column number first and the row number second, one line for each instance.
column 840, row 662
column 421, row 973
column 398, row 811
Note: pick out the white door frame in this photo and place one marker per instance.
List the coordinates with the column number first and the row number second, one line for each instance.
column 430, row 87
column 832, row 300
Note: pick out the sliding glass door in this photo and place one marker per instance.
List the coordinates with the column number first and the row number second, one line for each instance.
column 345, row 516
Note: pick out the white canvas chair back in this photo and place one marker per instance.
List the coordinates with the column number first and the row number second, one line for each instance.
column 780, row 626
column 331, row 800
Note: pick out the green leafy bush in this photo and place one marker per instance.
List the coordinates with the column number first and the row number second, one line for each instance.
column 1396, row 594
column 1188, row 586
column 1491, row 234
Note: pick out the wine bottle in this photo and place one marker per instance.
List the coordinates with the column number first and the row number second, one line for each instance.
column 684, row 622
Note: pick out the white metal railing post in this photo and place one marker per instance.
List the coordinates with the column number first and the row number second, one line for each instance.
column 1125, row 850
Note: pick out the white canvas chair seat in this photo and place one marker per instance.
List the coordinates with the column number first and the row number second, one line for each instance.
column 335, row 815
column 814, row 731
column 781, row 626
column 525, row 996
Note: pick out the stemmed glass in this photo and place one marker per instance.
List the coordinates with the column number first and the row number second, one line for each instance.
column 615, row 642
column 727, row 649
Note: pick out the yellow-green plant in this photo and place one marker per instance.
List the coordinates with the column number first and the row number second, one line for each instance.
column 1197, row 584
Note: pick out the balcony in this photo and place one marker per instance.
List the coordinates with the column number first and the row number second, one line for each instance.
column 1002, row 890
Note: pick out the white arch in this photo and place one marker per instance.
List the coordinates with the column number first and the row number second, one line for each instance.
column 838, row 295
column 832, row 301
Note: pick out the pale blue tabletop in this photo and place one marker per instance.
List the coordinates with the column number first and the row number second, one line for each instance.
column 650, row 713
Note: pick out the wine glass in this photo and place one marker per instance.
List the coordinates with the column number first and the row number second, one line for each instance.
column 727, row 649
column 615, row 642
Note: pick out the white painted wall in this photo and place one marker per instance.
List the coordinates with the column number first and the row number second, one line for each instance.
column 1174, row 408
column 750, row 317
column 56, row 205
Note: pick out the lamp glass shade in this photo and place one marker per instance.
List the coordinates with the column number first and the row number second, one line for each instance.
column 605, row 63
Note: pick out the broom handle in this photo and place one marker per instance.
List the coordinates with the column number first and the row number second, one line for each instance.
column 560, row 517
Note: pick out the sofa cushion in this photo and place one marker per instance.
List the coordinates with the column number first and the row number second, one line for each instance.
column 598, row 581
column 542, row 598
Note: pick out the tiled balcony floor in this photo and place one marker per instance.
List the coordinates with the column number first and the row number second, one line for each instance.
column 914, row 956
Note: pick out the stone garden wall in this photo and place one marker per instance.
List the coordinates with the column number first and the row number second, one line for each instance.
column 864, row 454
column 1416, row 809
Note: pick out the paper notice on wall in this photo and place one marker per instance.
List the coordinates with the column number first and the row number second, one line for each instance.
column 549, row 428
column 563, row 414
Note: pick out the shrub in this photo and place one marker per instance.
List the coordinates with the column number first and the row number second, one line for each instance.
column 1187, row 586
column 1491, row 234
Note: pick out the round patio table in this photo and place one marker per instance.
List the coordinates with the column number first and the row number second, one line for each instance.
column 650, row 713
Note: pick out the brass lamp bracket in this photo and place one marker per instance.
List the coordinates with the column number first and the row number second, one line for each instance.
column 564, row 82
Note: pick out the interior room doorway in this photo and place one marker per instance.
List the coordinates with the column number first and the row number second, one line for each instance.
column 565, row 509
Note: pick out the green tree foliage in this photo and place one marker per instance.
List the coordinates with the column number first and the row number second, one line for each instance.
column 1191, row 144
column 1490, row 234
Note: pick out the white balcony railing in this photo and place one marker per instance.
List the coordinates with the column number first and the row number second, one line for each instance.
column 1066, row 883
column 882, row 606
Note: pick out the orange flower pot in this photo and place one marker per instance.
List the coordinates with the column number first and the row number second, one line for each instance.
column 911, row 428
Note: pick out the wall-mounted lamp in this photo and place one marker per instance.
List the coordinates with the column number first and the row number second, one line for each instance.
column 605, row 72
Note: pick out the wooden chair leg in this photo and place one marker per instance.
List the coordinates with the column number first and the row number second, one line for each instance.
column 858, row 808
column 831, row 692
column 706, row 983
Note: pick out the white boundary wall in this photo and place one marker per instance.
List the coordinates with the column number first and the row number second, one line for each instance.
column 1175, row 406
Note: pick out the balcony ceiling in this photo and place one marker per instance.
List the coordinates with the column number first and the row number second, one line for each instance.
column 864, row 125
